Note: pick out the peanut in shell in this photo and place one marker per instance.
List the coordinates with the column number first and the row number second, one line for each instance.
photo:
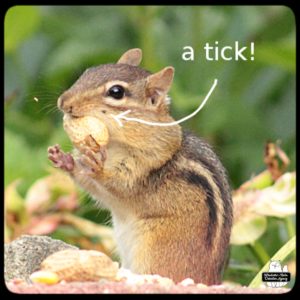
column 83, row 129
column 80, row 265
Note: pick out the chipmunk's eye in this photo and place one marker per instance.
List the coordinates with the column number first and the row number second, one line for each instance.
column 116, row 92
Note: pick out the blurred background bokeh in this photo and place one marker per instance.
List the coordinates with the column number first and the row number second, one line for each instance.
column 48, row 47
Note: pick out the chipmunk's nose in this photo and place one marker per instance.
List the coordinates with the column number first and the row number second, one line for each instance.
column 63, row 104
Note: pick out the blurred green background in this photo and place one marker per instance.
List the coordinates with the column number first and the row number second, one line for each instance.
column 48, row 47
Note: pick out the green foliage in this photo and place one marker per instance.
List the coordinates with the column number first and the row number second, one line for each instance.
column 253, row 102
column 24, row 165
column 249, row 229
column 281, row 255
column 253, row 205
column 258, row 209
column 48, row 47
column 20, row 23
column 284, row 56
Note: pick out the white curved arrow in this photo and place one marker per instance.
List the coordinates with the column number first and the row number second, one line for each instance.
column 123, row 114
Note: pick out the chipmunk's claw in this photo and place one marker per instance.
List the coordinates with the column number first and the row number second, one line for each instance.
column 60, row 159
column 92, row 161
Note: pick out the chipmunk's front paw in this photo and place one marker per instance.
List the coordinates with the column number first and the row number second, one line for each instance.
column 60, row 159
column 92, row 161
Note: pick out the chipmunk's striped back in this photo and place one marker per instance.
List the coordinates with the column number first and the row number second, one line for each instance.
column 203, row 195
column 218, row 194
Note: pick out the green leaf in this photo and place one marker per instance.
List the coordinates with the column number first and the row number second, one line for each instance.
column 32, row 129
column 13, row 201
column 252, row 207
column 22, row 161
column 259, row 182
column 281, row 54
column 281, row 254
column 278, row 200
column 15, row 204
column 248, row 229
column 20, row 22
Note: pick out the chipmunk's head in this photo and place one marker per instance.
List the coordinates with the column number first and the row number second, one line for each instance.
column 111, row 89
column 118, row 87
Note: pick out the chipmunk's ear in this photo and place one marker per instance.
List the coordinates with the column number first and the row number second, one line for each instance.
column 158, row 85
column 131, row 57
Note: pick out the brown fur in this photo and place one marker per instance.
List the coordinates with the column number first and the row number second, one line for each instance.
column 167, row 190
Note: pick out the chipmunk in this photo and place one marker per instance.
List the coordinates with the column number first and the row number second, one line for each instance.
column 166, row 189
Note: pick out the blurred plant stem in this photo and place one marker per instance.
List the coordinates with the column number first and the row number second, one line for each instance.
column 196, row 28
column 9, row 99
column 259, row 251
column 143, row 19
column 23, row 77
column 246, row 267
column 290, row 226
column 146, row 36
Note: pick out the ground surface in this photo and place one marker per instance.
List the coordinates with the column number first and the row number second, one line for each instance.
column 24, row 255
column 120, row 288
